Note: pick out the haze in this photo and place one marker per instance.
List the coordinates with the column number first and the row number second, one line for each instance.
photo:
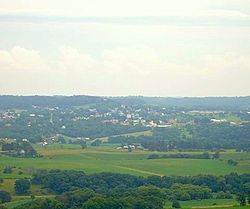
column 132, row 47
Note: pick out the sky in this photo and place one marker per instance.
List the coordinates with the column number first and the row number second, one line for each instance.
column 125, row 47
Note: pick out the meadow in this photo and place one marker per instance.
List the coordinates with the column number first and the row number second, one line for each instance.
column 107, row 158
column 208, row 204
column 134, row 134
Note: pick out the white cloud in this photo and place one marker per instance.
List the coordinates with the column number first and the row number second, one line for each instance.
column 134, row 61
column 189, row 47
column 22, row 59
column 73, row 60
column 122, row 71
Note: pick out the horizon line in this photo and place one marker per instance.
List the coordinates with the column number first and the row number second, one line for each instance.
column 109, row 96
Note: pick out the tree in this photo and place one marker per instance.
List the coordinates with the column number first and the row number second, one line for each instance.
column 3, row 207
column 22, row 186
column 25, row 149
column 41, row 204
column 216, row 155
column 61, row 139
column 83, row 144
column 242, row 199
column 129, row 148
column 232, row 162
column 96, row 142
column 5, row 197
column 7, row 169
column 176, row 204
column 153, row 156
column 8, row 146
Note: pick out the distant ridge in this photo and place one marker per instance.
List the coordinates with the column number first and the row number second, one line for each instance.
column 213, row 103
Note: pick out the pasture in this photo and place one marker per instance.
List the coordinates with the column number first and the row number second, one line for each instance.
column 108, row 159
column 134, row 134
column 208, row 204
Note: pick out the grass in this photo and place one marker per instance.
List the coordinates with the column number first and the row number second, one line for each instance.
column 13, row 204
column 108, row 159
column 9, row 186
column 57, row 146
column 229, row 117
column 209, row 203
column 18, row 200
column 135, row 134
column 192, row 204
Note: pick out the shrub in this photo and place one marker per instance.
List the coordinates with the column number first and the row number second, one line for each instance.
column 22, row 186
column 176, row 204
column 153, row 156
column 5, row 197
column 7, row 169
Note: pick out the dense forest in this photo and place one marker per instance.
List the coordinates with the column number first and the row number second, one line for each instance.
column 75, row 189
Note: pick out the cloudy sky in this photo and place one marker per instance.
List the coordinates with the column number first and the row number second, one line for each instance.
column 125, row 47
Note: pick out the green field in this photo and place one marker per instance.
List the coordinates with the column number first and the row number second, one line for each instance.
column 134, row 134
column 17, row 200
column 192, row 204
column 108, row 159
column 209, row 203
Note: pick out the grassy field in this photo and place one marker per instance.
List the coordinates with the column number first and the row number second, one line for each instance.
column 18, row 200
column 108, row 159
column 210, row 203
column 9, row 185
column 135, row 134
column 192, row 204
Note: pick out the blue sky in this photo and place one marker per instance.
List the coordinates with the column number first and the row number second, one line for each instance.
column 152, row 48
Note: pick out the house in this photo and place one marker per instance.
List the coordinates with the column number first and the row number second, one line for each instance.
column 22, row 152
column 218, row 120
column 44, row 143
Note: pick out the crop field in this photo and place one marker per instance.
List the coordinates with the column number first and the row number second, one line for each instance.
column 108, row 159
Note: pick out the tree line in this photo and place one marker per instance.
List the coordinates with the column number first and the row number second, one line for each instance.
column 204, row 155
column 192, row 137
column 76, row 189
column 60, row 181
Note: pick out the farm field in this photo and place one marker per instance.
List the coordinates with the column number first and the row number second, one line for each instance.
column 192, row 204
column 209, row 203
column 108, row 159
column 134, row 134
